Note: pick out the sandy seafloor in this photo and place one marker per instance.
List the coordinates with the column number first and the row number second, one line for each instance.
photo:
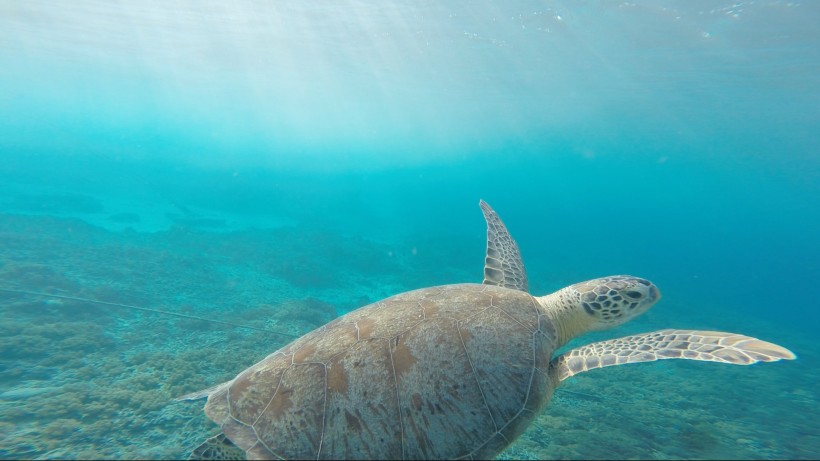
column 89, row 381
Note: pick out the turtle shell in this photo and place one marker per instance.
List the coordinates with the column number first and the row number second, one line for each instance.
column 456, row 371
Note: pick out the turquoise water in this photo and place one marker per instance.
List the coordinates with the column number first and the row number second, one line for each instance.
column 277, row 164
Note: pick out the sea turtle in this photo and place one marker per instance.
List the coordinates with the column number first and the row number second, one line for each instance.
column 453, row 371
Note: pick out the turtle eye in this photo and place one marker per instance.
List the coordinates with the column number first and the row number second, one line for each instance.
column 634, row 294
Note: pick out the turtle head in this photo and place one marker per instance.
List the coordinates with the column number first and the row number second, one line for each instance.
column 597, row 304
column 612, row 301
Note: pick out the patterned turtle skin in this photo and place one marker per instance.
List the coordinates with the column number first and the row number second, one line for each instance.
column 448, row 372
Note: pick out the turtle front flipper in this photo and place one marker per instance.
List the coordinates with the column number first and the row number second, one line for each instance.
column 502, row 265
column 712, row 346
column 218, row 447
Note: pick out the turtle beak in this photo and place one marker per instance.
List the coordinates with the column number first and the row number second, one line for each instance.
column 654, row 293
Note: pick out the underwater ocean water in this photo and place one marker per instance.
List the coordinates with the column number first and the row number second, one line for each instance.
column 274, row 165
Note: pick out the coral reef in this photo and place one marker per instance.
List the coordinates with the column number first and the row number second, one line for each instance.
column 308, row 312
column 89, row 381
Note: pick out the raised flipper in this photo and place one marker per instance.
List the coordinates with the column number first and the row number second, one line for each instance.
column 218, row 447
column 503, row 265
column 713, row 346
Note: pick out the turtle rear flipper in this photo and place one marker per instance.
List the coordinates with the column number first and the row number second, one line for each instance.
column 204, row 392
column 712, row 346
column 217, row 447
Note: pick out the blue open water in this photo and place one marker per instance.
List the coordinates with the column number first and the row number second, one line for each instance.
column 277, row 164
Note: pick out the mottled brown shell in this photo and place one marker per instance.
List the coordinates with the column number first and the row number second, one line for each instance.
column 456, row 371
